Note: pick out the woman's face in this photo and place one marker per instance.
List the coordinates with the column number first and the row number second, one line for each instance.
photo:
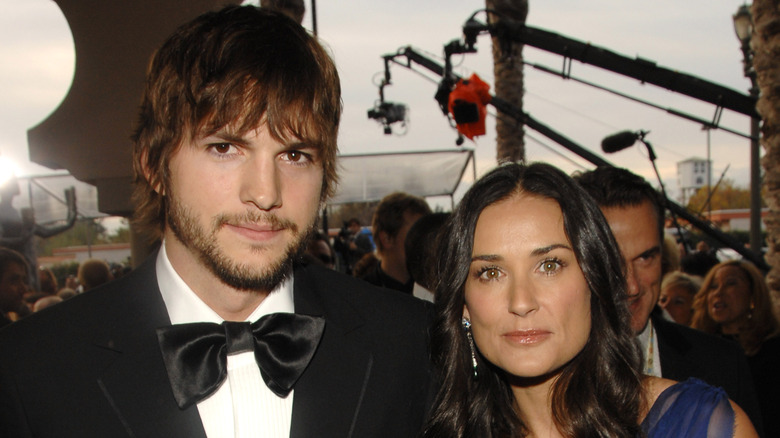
column 728, row 298
column 678, row 301
column 526, row 297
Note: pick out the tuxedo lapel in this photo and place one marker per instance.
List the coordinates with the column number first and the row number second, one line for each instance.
column 136, row 382
column 328, row 397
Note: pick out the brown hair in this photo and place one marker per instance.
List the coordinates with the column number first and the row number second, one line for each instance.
column 389, row 214
column 763, row 323
column 237, row 68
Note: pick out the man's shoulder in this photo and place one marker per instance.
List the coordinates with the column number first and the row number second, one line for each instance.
column 372, row 301
column 105, row 306
column 672, row 332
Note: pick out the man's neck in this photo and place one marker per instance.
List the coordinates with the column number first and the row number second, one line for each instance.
column 229, row 303
column 394, row 270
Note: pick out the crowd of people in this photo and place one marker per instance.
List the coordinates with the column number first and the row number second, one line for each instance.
column 545, row 304
column 19, row 298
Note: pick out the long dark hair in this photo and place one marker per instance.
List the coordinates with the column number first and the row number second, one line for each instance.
column 598, row 393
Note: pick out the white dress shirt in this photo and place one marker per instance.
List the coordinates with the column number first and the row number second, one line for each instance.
column 650, row 353
column 243, row 407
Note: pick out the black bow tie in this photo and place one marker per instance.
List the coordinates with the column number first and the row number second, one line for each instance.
column 196, row 354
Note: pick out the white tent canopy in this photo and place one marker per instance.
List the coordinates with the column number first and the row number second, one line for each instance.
column 366, row 178
column 45, row 195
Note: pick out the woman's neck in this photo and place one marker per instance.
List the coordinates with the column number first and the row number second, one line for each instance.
column 533, row 404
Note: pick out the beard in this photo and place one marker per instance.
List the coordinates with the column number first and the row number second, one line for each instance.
column 242, row 276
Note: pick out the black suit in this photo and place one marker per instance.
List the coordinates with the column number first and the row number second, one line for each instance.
column 91, row 366
column 686, row 353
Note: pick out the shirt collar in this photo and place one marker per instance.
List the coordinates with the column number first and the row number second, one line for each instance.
column 184, row 306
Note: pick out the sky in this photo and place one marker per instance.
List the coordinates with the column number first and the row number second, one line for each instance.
column 695, row 36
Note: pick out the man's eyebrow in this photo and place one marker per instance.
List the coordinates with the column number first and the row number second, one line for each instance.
column 228, row 136
column 650, row 252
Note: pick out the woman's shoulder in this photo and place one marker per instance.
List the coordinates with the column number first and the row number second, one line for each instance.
column 685, row 408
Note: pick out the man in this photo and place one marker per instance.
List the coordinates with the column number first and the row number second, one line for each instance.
column 393, row 218
column 634, row 212
column 354, row 243
column 13, row 284
column 234, row 154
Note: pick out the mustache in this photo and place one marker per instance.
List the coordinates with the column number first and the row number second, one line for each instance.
column 255, row 217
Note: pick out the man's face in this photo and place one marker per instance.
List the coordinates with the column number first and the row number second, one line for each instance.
column 636, row 232
column 13, row 286
column 241, row 206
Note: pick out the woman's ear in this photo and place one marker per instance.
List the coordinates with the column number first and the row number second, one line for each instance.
column 466, row 312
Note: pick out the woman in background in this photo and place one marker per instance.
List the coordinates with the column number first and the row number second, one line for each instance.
column 734, row 302
column 532, row 334
column 677, row 292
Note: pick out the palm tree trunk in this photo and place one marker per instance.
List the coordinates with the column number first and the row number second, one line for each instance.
column 508, row 76
column 766, row 61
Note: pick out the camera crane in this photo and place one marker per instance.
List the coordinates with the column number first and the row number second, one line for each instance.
column 643, row 70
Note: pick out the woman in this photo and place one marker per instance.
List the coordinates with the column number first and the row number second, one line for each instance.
column 734, row 302
column 530, row 339
column 677, row 292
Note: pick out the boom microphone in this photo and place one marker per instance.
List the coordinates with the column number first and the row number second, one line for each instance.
column 618, row 142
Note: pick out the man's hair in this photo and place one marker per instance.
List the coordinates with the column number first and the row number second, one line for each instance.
column 389, row 214
column 94, row 272
column 233, row 69
column 613, row 187
column 9, row 256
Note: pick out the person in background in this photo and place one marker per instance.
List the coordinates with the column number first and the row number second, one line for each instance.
column 93, row 273
column 532, row 334
column 393, row 218
column 677, row 292
column 635, row 213
column 734, row 302
column 13, row 285
column 319, row 252
column 422, row 251
column 47, row 282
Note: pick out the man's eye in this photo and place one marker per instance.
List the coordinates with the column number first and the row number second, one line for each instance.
column 221, row 148
column 297, row 157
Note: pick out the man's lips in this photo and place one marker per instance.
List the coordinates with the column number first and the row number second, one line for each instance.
column 527, row 337
column 256, row 231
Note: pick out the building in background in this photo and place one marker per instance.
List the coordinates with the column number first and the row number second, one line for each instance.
column 692, row 174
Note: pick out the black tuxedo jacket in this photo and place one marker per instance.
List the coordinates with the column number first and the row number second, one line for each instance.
column 686, row 352
column 91, row 366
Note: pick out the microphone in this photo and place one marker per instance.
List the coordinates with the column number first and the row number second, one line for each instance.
column 618, row 142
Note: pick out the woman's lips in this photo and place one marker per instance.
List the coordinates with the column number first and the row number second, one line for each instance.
column 527, row 337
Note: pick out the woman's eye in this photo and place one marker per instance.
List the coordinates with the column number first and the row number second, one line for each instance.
column 549, row 266
column 488, row 274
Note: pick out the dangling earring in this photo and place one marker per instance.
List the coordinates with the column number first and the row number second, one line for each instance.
column 467, row 329
column 750, row 312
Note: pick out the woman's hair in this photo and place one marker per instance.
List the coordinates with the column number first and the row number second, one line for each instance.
column 763, row 323
column 681, row 279
column 598, row 393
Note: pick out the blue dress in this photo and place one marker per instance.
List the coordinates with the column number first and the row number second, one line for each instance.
column 690, row 409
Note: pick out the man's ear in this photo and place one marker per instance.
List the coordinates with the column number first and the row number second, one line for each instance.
column 148, row 174
column 387, row 240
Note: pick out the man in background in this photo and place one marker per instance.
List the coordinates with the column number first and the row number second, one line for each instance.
column 635, row 213
column 393, row 218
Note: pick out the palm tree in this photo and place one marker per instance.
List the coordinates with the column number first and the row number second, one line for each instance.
column 766, row 47
column 508, row 78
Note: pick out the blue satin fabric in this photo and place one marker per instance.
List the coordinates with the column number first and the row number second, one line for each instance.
column 690, row 409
